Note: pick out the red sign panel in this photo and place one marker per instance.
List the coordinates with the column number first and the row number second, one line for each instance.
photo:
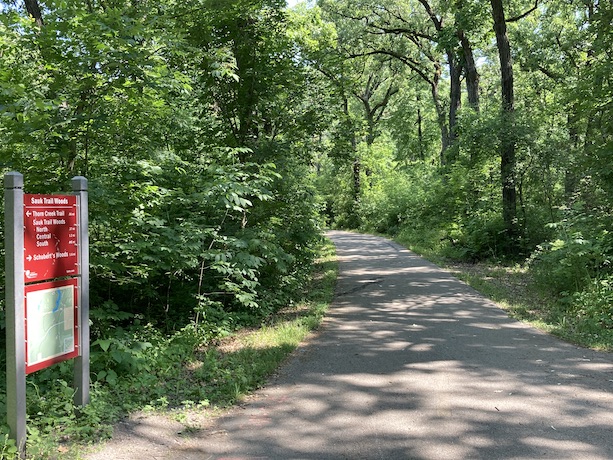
column 51, row 320
column 50, row 237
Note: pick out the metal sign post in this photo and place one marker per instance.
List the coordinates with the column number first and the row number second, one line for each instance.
column 81, row 365
column 15, row 313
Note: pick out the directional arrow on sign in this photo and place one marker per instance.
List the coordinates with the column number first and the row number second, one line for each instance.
column 43, row 242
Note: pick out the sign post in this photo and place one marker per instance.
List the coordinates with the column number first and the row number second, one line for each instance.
column 15, row 312
column 81, row 367
column 47, row 291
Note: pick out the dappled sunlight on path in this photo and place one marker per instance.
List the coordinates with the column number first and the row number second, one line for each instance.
column 413, row 364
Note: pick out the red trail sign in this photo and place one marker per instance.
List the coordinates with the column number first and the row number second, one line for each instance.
column 50, row 237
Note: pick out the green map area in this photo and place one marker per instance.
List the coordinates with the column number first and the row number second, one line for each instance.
column 50, row 323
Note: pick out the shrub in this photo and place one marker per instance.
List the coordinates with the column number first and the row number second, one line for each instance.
column 592, row 308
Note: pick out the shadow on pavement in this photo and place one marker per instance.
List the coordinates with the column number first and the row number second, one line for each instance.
column 413, row 364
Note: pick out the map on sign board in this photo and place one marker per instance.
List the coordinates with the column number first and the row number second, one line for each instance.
column 50, row 324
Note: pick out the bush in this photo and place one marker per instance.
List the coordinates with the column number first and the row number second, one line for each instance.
column 565, row 266
column 482, row 237
column 580, row 253
column 592, row 308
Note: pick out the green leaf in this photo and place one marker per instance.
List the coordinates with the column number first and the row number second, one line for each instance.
column 111, row 377
column 103, row 343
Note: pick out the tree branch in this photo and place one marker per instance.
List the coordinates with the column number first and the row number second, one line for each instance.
column 549, row 73
column 381, row 105
column 523, row 15
column 413, row 65
column 438, row 23
column 381, row 30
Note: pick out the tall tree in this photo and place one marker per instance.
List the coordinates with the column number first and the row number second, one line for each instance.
column 507, row 144
column 422, row 39
column 365, row 85
column 252, row 36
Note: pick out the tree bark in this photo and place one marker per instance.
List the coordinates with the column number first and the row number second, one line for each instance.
column 507, row 147
column 455, row 97
column 448, row 133
column 570, row 175
column 33, row 9
column 440, row 116
column 420, row 131
column 356, row 168
column 373, row 109
column 470, row 70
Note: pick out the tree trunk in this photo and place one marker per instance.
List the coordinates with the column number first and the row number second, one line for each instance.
column 33, row 9
column 440, row 115
column 455, row 70
column 357, row 185
column 246, row 96
column 420, row 131
column 455, row 98
column 507, row 148
column 570, row 174
column 470, row 70
column 356, row 168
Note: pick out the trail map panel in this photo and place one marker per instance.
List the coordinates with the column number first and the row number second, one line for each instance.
column 51, row 323
column 50, row 237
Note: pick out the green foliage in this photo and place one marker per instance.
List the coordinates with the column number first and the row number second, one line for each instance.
column 591, row 310
column 400, row 200
column 565, row 266
column 335, row 188
column 141, row 367
column 178, row 212
column 175, row 227
column 581, row 252
column 195, row 129
column 8, row 447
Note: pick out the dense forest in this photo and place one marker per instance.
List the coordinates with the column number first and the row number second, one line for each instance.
column 475, row 130
column 219, row 138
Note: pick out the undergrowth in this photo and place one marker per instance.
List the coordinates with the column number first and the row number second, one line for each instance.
column 143, row 369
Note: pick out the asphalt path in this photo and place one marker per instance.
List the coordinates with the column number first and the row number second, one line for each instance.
column 411, row 363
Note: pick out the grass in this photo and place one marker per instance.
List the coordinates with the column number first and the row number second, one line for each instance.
column 241, row 363
column 508, row 286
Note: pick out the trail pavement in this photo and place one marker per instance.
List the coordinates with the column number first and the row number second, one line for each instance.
column 410, row 363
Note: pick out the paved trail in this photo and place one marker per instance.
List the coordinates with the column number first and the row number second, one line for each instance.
column 413, row 364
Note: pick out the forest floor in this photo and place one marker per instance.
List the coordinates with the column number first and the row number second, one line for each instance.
column 514, row 280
